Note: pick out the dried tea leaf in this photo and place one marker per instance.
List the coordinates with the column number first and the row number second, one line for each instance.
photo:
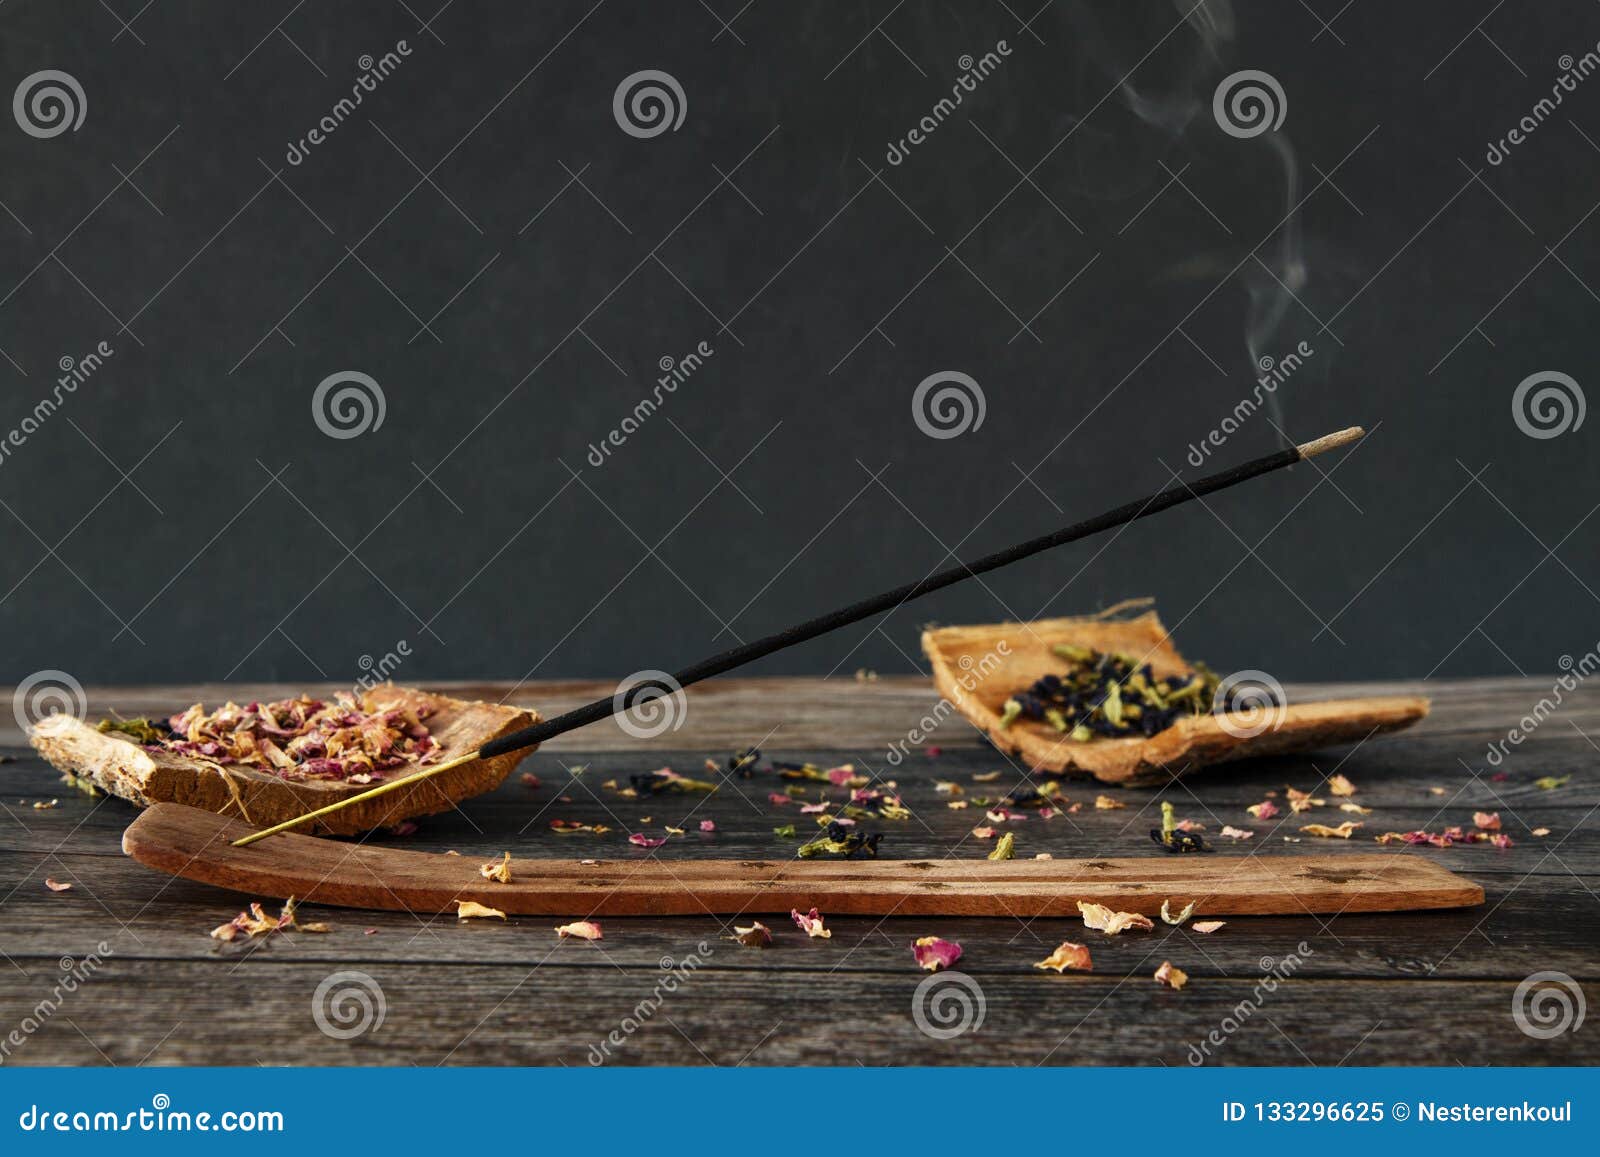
column 1339, row 785
column 56, row 885
column 1170, row 976
column 1107, row 803
column 1103, row 919
column 468, row 909
column 1342, row 832
column 1207, row 926
column 497, row 870
column 1544, row 782
column 1067, row 955
column 757, row 935
column 1168, row 918
column 581, row 930
column 786, row 831
column 810, row 923
column 933, row 953
column 1006, row 848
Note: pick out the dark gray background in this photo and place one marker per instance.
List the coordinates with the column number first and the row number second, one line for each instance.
column 224, row 279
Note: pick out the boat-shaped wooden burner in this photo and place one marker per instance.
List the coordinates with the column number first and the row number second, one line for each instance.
column 201, row 846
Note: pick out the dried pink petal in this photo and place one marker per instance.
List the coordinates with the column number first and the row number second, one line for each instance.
column 1234, row 833
column 1339, row 785
column 778, row 799
column 1486, row 821
column 644, row 841
column 810, row 924
column 708, row 825
column 1207, row 926
column 471, row 909
column 56, row 885
column 1264, row 810
column 581, row 929
column 933, row 953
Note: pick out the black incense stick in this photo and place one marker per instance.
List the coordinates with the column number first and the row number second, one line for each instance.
column 844, row 616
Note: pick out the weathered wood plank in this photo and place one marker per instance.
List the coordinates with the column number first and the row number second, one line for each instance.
column 727, row 714
column 164, row 1013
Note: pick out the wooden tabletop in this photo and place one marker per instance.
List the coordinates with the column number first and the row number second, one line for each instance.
column 121, row 970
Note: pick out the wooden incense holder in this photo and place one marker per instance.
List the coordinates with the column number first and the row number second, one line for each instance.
column 197, row 845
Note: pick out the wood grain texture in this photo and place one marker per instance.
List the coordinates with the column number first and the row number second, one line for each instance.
column 1375, row 988
column 197, row 845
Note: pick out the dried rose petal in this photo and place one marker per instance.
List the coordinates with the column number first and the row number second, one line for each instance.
column 497, row 870
column 1107, row 803
column 1264, row 810
column 933, row 953
column 581, row 929
column 1170, row 976
column 1168, row 918
column 708, row 825
column 1486, row 821
column 1541, row 831
column 56, row 885
column 1103, row 919
column 644, row 841
column 985, row 833
column 468, row 909
column 778, row 799
column 757, row 935
column 1234, row 833
column 1207, row 926
column 1342, row 832
column 1500, row 840
column 529, row 780
column 1339, row 785
column 810, row 924
column 1067, row 955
